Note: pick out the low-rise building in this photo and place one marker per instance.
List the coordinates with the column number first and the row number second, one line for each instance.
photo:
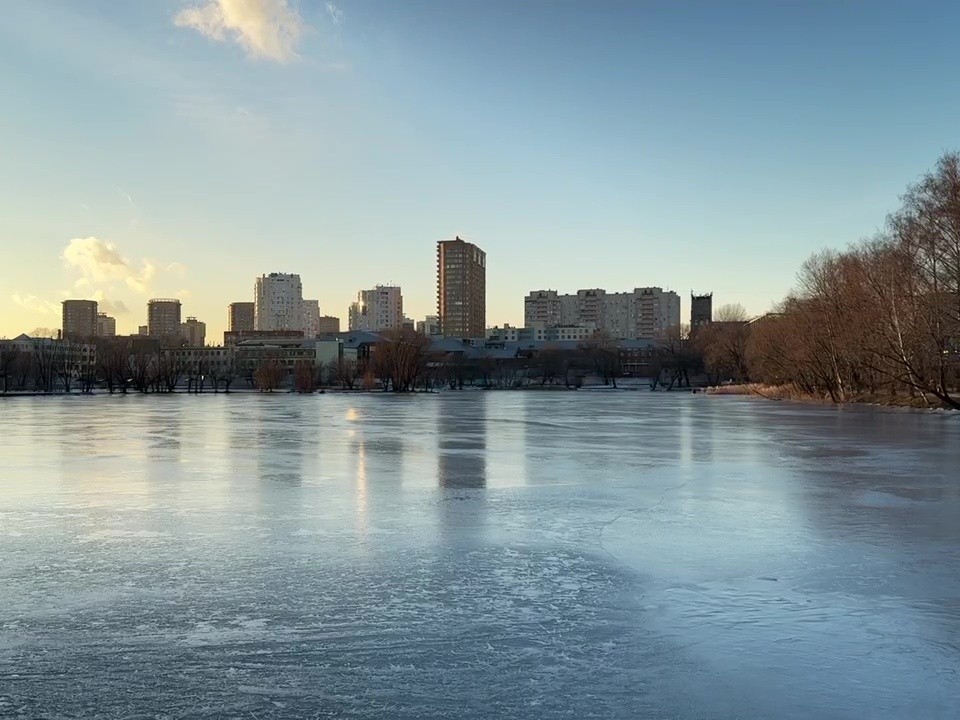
column 200, row 358
column 539, row 333
column 287, row 353
column 44, row 364
column 508, row 333
column 233, row 337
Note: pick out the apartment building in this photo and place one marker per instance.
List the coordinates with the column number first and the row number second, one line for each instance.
column 380, row 308
column 240, row 316
column 163, row 318
column 641, row 313
column 278, row 299
column 461, row 289
column 79, row 319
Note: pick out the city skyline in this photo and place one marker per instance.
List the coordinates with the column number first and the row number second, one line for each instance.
column 305, row 314
column 629, row 146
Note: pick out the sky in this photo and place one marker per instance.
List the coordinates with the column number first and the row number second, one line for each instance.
column 181, row 148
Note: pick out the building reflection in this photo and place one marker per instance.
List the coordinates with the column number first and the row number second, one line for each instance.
column 358, row 454
column 376, row 449
column 162, row 438
column 462, row 440
column 280, row 441
column 461, row 429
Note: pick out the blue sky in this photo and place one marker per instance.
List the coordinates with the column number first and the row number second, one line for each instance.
column 182, row 148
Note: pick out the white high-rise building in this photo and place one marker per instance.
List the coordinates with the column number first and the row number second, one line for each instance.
column 310, row 312
column 378, row 309
column 657, row 310
column 278, row 299
column 542, row 308
column 643, row 313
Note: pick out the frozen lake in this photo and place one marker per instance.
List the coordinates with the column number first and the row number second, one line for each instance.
column 477, row 555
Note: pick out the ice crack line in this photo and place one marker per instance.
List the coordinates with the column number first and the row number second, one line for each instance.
column 636, row 511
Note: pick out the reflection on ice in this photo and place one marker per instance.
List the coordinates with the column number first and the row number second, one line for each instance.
column 477, row 555
column 462, row 441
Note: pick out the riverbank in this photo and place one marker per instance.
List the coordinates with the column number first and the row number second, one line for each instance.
column 791, row 393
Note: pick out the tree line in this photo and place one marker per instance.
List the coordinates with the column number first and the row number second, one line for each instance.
column 48, row 366
column 406, row 361
column 880, row 319
column 118, row 365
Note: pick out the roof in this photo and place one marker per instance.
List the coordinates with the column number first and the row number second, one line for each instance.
column 453, row 345
column 499, row 353
column 356, row 338
column 638, row 344
column 521, row 345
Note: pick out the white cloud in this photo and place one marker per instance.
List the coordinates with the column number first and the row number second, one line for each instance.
column 109, row 306
column 35, row 304
column 100, row 265
column 268, row 29
column 335, row 13
column 141, row 281
column 99, row 262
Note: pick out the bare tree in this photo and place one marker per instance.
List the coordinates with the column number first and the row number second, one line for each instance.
column 548, row 365
column 383, row 364
column 88, row 377
column 730, row 313
column 268, row 375
column 171, row 369
column 46, row 360
column 67, row 361
column 143, row 369
column 224, row 374
column 604, row 356
column 22, row 369
column 883, row 316
column 113, row 364
column 401, row 359
column 455, row 370
column 723, row 346
column 305, row 377
column 8, row 358
column 678, row 356
column 344, row 372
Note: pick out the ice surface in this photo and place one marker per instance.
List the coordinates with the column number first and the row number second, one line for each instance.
column 477, row 555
